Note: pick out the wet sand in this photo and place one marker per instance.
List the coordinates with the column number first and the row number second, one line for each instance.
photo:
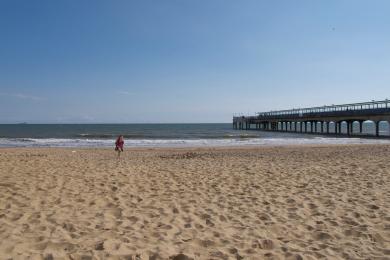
column 304, row 202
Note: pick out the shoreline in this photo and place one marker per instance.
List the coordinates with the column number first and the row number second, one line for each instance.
column 200, row 148
column 108, row 144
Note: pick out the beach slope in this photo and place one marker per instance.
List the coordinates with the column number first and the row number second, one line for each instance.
column 217, row 203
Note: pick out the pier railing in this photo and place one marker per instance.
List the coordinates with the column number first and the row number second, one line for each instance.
column 358, row 108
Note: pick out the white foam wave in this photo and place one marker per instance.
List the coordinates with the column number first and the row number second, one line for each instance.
column 55, row 142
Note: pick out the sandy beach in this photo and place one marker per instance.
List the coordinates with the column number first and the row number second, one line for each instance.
column 302, row 202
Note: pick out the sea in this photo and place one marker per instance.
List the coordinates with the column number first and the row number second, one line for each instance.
column 162, row 135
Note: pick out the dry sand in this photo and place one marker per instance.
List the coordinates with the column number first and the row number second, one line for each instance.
column 245, row 203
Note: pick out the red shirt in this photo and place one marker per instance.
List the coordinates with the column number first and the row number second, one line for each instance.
column 119, row 143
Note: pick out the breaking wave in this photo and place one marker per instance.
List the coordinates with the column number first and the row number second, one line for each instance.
column 238, row 141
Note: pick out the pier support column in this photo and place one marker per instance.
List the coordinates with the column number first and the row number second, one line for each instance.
column 361, row 126
column 305, row 126
column 388, row 123
column 336, row 128
column 352, row 127
column 327, row 127
column 322, row 127
column 295, row 126
column 315, row 126
column 348, row 128
column 377, row 128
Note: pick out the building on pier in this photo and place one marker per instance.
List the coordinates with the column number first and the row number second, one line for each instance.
column 319, row 119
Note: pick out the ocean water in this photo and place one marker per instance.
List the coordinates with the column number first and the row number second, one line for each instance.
column 159, row 135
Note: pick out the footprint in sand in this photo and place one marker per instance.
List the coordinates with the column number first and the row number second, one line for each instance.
column 322, row 236
column 180, row 257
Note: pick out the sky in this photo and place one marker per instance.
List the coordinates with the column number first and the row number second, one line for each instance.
column 187, row 61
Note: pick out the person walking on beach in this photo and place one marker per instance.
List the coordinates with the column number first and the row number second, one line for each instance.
column 119, row 145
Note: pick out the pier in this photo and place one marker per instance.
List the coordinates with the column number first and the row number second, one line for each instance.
column 346, row 119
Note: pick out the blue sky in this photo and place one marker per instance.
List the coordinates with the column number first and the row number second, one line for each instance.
column 187, row 60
